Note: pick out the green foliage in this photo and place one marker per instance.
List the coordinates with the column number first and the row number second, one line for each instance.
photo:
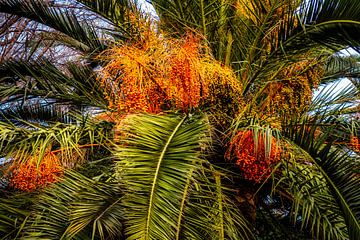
column 158, row 175
column 33, row 139
column 313, row 206
column 335, row 188
column 14, row 213
column 24, row 80
column 118, row 13
column 76, row 208
column 171, row 192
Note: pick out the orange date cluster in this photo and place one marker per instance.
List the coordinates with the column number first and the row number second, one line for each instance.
column 28, row 176
column 253, row 161
column 164, row 74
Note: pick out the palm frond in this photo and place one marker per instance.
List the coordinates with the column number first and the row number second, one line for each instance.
column 338, row 66
column 336, row 167
column 313, row 206
column 31, row 139
column 170, row 192
column 22, row 80
column 334, row 99
column 326, row 23
column 97, row 206
column 78, row 208
column 62, row 20
column 42, row 114
column 15, row 209
column 117, row 12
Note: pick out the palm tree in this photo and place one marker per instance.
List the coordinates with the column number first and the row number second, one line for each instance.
column 198, row 122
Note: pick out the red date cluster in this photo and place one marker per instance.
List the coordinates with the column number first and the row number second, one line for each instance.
column 29, row 176
column 252, row 159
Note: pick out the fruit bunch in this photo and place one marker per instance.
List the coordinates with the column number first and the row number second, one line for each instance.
column 354, row 144
column 251, row 155
column 168, row 74
column 292, row 93
column 28, row 175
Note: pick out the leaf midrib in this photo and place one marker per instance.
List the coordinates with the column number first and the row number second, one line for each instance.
column 152, row 193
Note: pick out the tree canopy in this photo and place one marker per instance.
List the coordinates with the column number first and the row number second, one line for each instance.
column 198, row 122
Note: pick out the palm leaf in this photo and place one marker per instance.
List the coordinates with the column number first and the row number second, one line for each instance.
column 117, row 12
column 339, row 66
column 169, row 192
column 42, row 114
column 20, row 142
column 332, row 95
column 100, row 208
column 337, row 168
column 62, row 20
column 22, row 80
column 76, row 208
column 312, row 202
column 14, row 213
column 326, row 23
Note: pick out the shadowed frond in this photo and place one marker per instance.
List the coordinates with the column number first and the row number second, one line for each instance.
column 42, row 114
column 313, row 206
column 15, row 209
column 22, row 80
column 336, row 167
column 63, row 20
column 339, row 66
column 326, row 23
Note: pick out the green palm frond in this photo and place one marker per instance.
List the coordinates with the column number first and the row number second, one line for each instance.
column 334, row 99
column 15, row 209
column 170, row 192
column 98, row 207
column 33, row 139
column 78, row 208
column 210, row 210
column 63, row 20
column 338, row 66
column 185, row 15
column 336, row 167
column 313, row 206
column 325, row 23
column 22, row 80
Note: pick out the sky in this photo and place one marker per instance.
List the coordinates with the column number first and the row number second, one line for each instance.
column 147, row 7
